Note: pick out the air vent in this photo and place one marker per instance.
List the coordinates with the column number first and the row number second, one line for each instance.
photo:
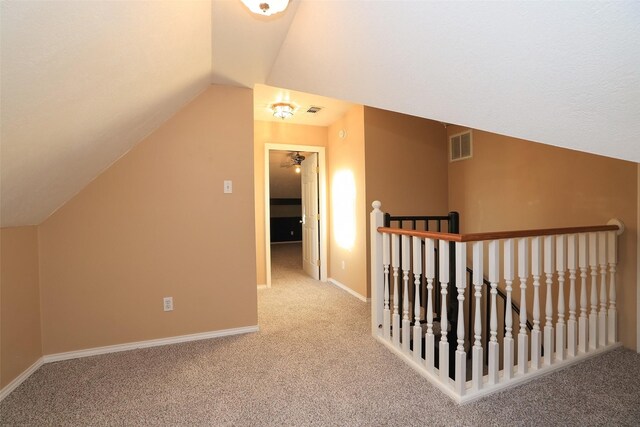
column 313, row 109
column 460, row 146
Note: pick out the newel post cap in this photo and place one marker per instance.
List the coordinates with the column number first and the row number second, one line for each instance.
column 620, row 224
column 376, row 205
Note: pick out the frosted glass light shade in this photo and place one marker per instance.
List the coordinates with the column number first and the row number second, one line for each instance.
column 282, row 110
column 266, row 7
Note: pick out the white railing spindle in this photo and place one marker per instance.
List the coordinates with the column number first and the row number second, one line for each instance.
column 572, row 324
column 602, row 314
column 536, row 271
column 593, row 314
column 444, row 324
column 583, row 262
column 461, row 284
column 548, row 312
column 395, row 263
column 523, row 274
column 430, row 272
column 561, row 262
column 386, row 313
column 494, row 278
column 509, row 275
column 417, row 272
column 406, row 265
column 612, row 256
column 478, row 277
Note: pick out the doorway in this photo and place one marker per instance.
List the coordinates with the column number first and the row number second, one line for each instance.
column 314, row 230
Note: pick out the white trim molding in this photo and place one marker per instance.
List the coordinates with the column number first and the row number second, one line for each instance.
column 118, row 348
column 262, row 286
column 6, row 391
column 146, row 344
column 348, row 289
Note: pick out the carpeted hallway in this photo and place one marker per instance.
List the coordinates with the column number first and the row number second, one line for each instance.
column 313, row 362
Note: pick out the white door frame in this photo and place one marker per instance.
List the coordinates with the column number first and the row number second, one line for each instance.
column 322, row 195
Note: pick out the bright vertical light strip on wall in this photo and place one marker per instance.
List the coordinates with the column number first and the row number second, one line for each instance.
column 343, row 201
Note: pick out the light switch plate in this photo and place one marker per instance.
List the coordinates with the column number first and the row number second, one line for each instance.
column 228, row 186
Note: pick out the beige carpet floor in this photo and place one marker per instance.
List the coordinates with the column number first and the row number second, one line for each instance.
column 312, row 363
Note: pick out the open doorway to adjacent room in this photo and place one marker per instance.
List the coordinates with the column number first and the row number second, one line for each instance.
column 295, row 208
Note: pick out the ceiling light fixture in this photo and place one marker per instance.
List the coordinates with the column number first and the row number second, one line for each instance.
column 266, row 7
column 282, row 110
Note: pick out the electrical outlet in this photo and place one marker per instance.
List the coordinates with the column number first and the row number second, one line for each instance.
column 168, row 303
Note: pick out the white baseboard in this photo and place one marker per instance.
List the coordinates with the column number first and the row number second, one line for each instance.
column 118, row 348
column 262, row 287
column 348, row 289
column 146, row 344
column 6, row 390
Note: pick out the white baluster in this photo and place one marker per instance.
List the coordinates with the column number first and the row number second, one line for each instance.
column 602, row 314
column 494, row 278
column 417, row 271
column 430, row 273
column 583, row 324
column 478, row 276
column 572, row 324
column 406, row 266
column 461, row 285
column 395, row 264
column 613, row 259
column 560, row 325
column 509, row 275
column 536, row 271
column 548, row 325
column 386, row 313
column 444, row 324
column 523, row 274
column 593, row 314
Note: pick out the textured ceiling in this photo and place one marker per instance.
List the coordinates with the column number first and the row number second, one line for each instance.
column 265, row 96
column 560, row 73
column 84, row 81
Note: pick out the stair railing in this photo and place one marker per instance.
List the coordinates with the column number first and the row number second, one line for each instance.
column 542, row 257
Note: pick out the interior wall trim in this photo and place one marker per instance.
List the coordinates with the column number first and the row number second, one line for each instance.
column 6, row 390
column 118, row 348
column 348, row 289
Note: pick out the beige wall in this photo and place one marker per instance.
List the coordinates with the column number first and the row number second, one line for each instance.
column 406, row 163
column 157, row 224
column 20, row 334
column 513, row 184
column 346, row 156
column 275, row 133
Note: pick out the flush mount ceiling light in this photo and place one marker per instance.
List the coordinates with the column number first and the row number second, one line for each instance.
column 282, row 110
column 266, row 7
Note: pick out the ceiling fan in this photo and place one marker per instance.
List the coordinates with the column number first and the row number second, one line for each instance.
column 295, row 160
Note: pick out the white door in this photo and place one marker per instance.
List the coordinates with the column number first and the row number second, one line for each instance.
column 310, row 217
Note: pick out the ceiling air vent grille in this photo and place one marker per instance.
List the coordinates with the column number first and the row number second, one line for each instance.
column 314, row 110
column 460, row 146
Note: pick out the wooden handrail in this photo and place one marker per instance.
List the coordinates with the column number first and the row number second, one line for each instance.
column 497, row 235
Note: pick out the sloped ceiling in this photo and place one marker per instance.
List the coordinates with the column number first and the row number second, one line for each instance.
column 84, row 81
column 560, row 73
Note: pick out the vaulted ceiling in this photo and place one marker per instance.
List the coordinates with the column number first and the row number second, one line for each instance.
column 83, row 82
